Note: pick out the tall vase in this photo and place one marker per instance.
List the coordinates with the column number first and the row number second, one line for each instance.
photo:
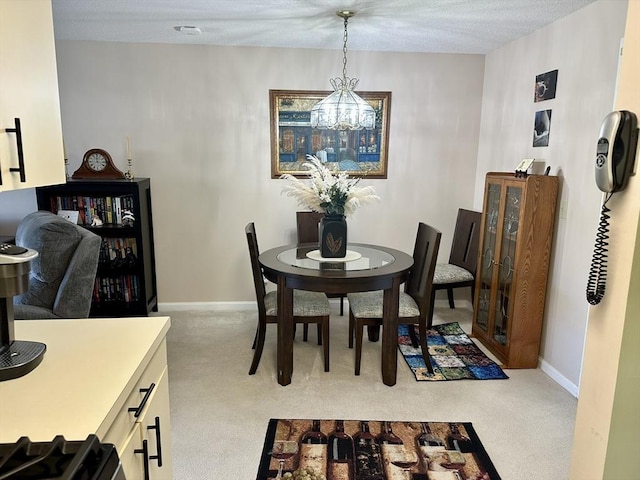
column 333, row 236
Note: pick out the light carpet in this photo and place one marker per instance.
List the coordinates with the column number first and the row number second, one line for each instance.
column 219, row 412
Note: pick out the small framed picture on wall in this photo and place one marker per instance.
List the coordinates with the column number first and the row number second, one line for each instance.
column 541, row 128
column 545, row 86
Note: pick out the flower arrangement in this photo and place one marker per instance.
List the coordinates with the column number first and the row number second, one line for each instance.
column 328, row 193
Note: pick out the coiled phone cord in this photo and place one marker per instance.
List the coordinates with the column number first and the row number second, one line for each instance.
column 598, row 273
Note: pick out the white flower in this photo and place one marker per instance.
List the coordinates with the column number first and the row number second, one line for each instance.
column 328, row 193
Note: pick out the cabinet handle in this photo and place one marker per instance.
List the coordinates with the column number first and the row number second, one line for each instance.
column 18, row 131
column 145, row 458
column 147, row 394
column 156, row 427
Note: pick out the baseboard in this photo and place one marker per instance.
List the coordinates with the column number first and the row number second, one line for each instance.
column 554, row 374
column 560, row 379
column 247, row 306
column 444, row 303
column 207, row 306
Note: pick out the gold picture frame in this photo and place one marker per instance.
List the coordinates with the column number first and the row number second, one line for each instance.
column 359, row 153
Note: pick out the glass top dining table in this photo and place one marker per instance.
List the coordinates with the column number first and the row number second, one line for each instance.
column 365, row 268
column 359, row 257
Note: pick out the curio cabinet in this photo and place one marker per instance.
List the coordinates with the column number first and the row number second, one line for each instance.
column 517, row 226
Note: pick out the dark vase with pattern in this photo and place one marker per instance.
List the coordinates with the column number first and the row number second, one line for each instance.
column 333, row 236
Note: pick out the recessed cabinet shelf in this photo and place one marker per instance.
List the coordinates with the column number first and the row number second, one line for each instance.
column 515, row 248
column 126, row 279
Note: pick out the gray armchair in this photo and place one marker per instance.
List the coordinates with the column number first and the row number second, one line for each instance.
column 63, row 275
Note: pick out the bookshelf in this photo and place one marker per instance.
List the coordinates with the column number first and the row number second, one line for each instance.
column 125, row 283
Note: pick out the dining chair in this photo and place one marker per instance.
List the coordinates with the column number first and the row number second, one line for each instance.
column 365, row 308
column 307, row 232
column 463, row 259
column 307, row 226
column 308, row 307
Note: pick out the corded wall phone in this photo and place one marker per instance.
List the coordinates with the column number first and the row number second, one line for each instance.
column 615, row 159
column 616, row 151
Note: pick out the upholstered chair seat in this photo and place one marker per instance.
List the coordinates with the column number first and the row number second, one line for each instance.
column 448, row 273
column 369, row 305
column 305, row 304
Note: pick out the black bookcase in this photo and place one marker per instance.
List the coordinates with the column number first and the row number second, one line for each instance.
column 126, row 279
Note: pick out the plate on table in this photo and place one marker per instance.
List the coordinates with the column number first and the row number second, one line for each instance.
column 350, row 256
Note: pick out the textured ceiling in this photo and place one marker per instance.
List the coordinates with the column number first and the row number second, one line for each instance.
column 445, row 26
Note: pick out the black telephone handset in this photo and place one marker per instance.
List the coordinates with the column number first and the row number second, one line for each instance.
column 616, row 150
column 615, row 159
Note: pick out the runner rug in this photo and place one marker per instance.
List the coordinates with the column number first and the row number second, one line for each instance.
column 454, row 356
column 367, row 450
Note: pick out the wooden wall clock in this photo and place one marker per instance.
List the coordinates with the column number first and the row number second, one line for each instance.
column 97, row 163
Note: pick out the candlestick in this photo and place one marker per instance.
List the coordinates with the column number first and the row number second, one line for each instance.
column 129, row 173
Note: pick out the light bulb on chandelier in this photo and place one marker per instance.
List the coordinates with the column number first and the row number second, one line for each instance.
column 343, row 109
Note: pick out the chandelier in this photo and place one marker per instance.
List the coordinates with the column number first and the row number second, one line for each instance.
column 343, row 109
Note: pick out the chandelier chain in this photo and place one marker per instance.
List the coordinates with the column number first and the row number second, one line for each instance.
column 344, row 52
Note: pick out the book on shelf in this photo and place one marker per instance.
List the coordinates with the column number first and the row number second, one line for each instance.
column 108, row 209
column 116, row 289
column 118, row 252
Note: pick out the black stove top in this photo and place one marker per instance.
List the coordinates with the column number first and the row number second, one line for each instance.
column 59, row 459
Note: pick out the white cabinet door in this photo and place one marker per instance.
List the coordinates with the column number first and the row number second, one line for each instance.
column 29, row 92
column 132, row 462
column 149, row 446
column 156, row 430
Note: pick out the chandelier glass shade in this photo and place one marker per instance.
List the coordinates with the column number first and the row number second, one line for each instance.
column 343, row 109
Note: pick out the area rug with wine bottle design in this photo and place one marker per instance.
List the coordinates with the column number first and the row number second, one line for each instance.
column 374, row 450
column 454, row 356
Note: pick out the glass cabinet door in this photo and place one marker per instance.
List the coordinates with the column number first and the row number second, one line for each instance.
column 489, row 244
column 506, row 263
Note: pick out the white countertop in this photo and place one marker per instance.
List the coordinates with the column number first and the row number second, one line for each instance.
column 76, row 389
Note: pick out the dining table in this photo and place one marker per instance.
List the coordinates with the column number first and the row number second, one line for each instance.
column 364, row 268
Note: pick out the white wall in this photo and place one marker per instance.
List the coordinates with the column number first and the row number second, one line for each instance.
column 198, row 119
column 584, row 48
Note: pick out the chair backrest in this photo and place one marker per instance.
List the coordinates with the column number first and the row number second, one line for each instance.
column 425, row 254
column 307, row 226
column 256, row 269
column 466, row 239
column 62, row 277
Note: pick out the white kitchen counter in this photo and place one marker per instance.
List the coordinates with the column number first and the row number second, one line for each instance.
column 88, row 370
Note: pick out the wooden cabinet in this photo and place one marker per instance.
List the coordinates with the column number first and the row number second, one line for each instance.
column 115, row 386
column 29, row 93
column 126, row 279
column 515, row 248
